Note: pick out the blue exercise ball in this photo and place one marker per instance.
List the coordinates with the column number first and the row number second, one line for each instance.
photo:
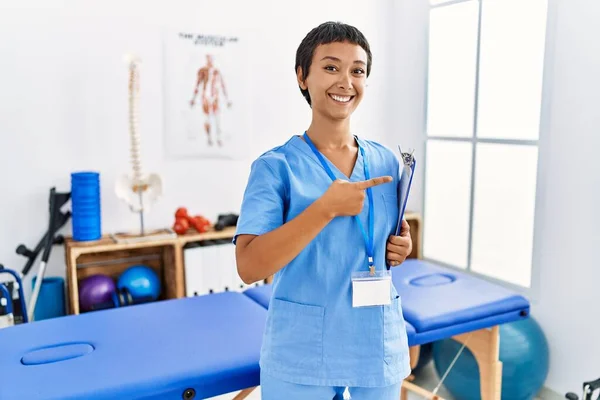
column 524, row 354
column 141, row 281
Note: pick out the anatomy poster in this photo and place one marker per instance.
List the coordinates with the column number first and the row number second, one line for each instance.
column 207, row 107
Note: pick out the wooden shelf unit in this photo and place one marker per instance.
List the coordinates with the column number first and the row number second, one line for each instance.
column 165, row 256
column 106, row 256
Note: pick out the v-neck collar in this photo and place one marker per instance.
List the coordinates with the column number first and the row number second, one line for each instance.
column 357, row 171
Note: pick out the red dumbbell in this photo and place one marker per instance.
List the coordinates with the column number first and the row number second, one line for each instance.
column 183, row 221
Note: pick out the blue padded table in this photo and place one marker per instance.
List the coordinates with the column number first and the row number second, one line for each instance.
column 261, row 294
column 207, row 345
column 440, row 303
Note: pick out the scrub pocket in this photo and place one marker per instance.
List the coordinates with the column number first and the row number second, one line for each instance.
column 296, row 336
column 395, row 341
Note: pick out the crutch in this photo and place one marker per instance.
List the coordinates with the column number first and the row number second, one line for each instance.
column 57, row 200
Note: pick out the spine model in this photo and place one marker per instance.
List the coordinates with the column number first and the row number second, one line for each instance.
column 138, row 189
column 134, row 90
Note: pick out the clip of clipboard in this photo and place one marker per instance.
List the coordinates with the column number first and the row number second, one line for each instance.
column 407, row 166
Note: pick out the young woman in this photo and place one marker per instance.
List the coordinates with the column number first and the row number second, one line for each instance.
column 318, row 213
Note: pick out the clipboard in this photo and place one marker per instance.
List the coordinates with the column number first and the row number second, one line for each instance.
column 407, row 165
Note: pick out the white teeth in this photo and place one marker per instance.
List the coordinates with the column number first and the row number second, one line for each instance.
column 341, row 99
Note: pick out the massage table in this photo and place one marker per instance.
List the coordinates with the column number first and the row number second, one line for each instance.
column 189, row 348
column 199, row 347
column 440, row 303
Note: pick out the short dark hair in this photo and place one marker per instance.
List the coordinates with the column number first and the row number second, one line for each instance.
column 328, row 32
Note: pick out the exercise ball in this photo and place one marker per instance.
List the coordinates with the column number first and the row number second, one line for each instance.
column 141, row 281
column 94, row 290
column 524, row 354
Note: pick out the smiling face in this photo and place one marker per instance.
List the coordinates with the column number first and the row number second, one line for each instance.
column 336, row 79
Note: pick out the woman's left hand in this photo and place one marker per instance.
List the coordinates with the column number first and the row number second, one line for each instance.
column 399, row 247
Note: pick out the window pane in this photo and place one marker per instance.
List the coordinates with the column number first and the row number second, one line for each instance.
column 511, row 68
column 451, row 76
column 447, row 194
column 505, row 186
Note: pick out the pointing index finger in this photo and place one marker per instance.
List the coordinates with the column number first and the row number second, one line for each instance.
column 373, row 182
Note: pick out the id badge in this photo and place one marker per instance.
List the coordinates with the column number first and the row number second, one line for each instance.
column 371, row 290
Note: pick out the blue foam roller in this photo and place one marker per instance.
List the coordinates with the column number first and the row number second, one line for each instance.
column 83, row 237
column 86, row 210
column 85, row 176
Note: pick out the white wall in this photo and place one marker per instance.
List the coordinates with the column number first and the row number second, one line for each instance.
column 408, row 74
column 64, row 91
column 569, row 281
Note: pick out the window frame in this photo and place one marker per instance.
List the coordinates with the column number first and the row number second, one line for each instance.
column 540, row 224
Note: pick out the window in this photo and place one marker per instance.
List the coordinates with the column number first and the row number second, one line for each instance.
column 484, row 98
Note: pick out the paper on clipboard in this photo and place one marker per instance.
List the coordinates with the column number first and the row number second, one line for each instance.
column 407, row 169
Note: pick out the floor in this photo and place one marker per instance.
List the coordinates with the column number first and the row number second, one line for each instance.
column 427, row 379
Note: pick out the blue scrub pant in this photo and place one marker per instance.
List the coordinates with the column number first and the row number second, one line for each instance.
column 275, row 389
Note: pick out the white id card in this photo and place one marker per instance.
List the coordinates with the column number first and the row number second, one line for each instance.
column 371, row 290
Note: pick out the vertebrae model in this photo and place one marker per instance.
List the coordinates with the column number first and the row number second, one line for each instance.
column 138, row 190
column 134, row 95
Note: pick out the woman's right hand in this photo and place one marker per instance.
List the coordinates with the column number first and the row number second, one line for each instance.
column 345, row 198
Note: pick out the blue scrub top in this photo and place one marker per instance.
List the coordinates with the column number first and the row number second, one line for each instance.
column 313, row 335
